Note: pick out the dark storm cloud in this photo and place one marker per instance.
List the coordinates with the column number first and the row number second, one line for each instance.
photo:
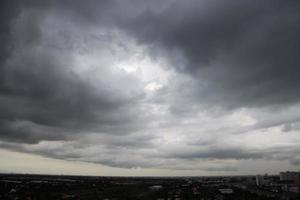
column 220, row 153
column 222, row 168
column 8, row 11
column 234, row 53
column 242, row 53
column 28, row 132
column 213, row 152
column 39, row 86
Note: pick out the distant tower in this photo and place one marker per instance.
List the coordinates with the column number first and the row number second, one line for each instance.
column 259, row 180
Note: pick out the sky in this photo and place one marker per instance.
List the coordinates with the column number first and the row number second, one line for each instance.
column 149, row 88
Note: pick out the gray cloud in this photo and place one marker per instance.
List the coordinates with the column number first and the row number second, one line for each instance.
column 222, row 168
column 213, row 152
column 62, row 96
column 217, row 153
column 241, row 53
column 39, row 85
column 29, row 132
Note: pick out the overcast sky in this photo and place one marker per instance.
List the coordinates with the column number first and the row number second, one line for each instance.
column 129, row 87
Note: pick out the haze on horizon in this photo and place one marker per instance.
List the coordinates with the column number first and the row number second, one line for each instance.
column 128, row 87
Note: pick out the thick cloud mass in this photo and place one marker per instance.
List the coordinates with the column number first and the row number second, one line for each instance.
column 181, row 85
column 41, row 86
column 243, row 53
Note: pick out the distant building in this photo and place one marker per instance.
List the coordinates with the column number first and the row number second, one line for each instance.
column 297, row 181
column 259, row 180
column 294, row 189
column 226, row 191
column 156, row 187
column 289, row 176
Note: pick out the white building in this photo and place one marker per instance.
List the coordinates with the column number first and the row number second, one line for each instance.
column 259, row 180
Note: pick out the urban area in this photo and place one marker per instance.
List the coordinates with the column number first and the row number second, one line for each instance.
column 285, row 186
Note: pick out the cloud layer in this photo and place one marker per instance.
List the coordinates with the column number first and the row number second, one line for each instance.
column 193, row 85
